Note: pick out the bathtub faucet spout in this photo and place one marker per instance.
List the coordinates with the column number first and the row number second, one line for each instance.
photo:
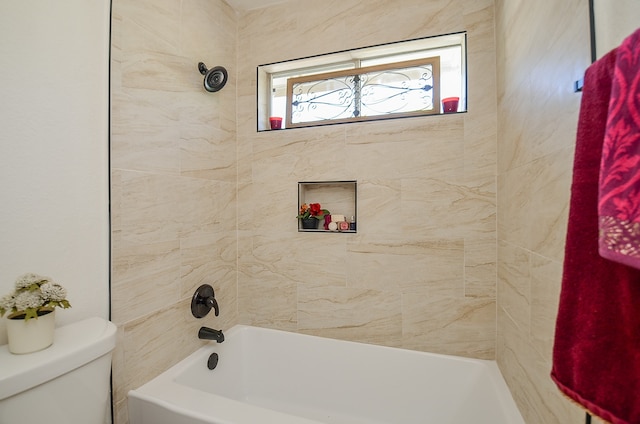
column 207, row 333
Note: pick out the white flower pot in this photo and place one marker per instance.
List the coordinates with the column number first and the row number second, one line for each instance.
column 32, row 335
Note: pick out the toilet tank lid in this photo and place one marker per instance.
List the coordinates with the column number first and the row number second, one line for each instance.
column 74, row 345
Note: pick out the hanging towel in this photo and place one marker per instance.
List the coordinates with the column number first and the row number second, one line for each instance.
column 619, row 198
column 596, row 352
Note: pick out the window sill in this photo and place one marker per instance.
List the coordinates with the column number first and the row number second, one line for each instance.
column 318, row 124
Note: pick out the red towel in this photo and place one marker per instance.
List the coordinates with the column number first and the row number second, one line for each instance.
column 619, row 202
column 596, row 352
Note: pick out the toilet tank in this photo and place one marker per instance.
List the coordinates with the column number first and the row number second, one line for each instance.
column 67, row 383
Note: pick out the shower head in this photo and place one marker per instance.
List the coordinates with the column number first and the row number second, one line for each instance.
column 214, row 78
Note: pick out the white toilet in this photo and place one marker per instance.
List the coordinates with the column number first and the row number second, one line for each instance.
column 67, row 383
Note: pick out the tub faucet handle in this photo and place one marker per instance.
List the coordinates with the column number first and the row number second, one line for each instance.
column 213, row 303
column 203, row 300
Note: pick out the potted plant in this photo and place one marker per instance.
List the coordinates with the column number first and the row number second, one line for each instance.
column 31, row 307
column 311, row 214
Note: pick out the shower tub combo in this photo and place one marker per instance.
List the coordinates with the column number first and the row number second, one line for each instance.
column 275, row 377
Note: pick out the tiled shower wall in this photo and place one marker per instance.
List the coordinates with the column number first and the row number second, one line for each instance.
column 421, row 271
column 543, row 49
column 173, row 181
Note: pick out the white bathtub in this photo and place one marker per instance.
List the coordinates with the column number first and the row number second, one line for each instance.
column 274, row 377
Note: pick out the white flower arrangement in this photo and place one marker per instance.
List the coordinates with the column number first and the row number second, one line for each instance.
column 33, row 294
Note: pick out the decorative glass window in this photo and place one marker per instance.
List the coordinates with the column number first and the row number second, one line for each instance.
column 402, row 79
column 390, row 90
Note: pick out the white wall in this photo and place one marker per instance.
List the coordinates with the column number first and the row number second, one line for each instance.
column 54, row 213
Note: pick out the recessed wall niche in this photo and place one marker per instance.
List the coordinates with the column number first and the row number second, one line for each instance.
column 338, row 197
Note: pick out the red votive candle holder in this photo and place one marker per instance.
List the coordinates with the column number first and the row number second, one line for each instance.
column 275, row 122
column 450, row 104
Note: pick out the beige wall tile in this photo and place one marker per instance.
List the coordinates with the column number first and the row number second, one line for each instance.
column 154, row 343
column 173, row 182
column 450, row 209
column 514, row 285
column 407, row 148
column 480, row 272
column 549, row 193
column 379, row 207
column 267, row 302
column 308, row 156
column 542, row 49
column 527, row 375
column 545, row 295
column 302, row 257
column 351, row 314
column 205, row 153
column 209, row 259
column 148, row 208
column 534, row 203
column 449, row 325
column 154, row 148
column 144, row 277
column 396, row 265
column 142, row 31
column 426, row 190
